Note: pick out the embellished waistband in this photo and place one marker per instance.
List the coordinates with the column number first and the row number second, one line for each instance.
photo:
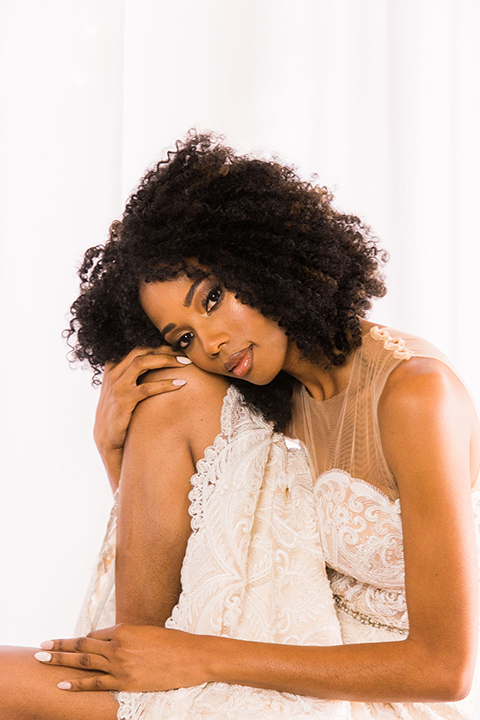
column 366, row 619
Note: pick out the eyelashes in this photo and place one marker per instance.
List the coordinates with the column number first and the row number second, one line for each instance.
column 211, row 300
column 183, row 342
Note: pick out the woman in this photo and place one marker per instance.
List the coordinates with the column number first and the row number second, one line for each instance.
column 250, row 274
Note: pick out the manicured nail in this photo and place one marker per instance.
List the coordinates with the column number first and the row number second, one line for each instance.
column 43, row 656
column 178, row 382
column 65, row 685
column 183, row 360
column 47, row 645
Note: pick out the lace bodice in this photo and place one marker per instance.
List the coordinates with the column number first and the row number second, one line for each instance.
column 361, row 530
column 361, row 533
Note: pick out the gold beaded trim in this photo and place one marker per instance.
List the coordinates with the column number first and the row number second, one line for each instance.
column 365, row 619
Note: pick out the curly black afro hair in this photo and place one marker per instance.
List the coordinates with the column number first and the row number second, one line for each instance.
column 269, row 237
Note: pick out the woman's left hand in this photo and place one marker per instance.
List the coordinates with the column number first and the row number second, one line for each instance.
column 133, row 658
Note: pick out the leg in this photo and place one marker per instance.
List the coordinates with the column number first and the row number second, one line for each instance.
column 167, row 435
column 28, row 691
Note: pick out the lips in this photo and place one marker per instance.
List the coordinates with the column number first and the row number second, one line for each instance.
column 240, row 362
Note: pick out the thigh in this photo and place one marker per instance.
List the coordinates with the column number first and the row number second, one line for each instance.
column 28, row 691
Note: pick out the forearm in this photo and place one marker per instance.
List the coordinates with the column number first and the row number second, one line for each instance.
column 378, row 672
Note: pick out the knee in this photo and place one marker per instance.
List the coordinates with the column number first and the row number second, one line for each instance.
column 193, row 409
column 200, row 387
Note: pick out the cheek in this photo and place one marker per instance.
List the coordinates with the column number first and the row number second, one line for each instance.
column 198, row 357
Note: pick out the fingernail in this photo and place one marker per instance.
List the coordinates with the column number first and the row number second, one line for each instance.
column 65, row 685
column 47, row 645
column 43, row 656
column 183, row 360
column 178, row 382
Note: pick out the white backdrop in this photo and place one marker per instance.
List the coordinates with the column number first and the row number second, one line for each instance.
column 380, row 98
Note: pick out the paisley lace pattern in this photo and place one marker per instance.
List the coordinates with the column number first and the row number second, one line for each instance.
column 235, row 419
column 253, row 569
column 360, row 530
column 377, row 599
column 361, row 534
column 219, row 701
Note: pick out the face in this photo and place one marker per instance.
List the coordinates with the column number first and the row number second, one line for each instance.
column 215, row 330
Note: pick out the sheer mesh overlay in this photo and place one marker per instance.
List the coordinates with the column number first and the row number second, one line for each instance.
column 342, row 432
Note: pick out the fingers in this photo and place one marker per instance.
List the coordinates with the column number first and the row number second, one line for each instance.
column 130, row 388
column 96, row 645
column 83, row 653
column 90, row 684
column 162, row 350
column 82, row 661
column 125, row 384
column 141, row 359
column 147, row 389
column 143, row 363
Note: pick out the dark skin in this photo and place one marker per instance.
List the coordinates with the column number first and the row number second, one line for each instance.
column 122, row 390
column 431, row 441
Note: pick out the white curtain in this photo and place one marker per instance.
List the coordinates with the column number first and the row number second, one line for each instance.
column 380, row 98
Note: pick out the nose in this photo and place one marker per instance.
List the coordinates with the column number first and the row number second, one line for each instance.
column 212, row 342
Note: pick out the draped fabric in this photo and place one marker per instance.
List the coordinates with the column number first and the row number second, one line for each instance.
column 253, row 570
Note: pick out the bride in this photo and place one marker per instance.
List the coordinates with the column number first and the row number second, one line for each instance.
column 294, row 532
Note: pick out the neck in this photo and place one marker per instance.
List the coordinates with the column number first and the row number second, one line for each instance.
column 321, row 383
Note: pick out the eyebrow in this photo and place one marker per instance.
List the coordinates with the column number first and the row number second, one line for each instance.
column 189, row 296
column 167, row 329
column 187, row 302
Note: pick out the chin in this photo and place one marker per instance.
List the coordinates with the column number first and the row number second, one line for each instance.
column 260, row 380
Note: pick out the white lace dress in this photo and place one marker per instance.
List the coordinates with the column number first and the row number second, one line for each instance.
column 264, row 537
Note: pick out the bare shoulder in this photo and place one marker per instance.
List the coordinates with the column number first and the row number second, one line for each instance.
column 425, row 408
column 420, row 384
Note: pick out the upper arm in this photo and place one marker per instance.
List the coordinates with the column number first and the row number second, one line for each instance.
column 426, row 423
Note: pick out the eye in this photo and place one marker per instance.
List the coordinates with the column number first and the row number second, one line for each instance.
column 213, row 298
column 183, row 341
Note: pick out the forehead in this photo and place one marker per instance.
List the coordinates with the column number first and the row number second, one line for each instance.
column 165, row 294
